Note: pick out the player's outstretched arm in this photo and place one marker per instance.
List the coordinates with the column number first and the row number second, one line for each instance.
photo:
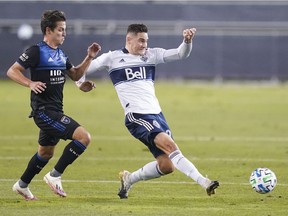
column 185, row 48
column 75, row 73
column 98, row 64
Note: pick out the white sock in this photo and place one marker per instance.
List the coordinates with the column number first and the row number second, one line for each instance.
column 185, row 166
column 149, row 171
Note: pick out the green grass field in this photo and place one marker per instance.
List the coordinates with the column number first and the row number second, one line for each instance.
column 226, row 130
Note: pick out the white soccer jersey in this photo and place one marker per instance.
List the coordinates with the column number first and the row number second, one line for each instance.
column 133, row 75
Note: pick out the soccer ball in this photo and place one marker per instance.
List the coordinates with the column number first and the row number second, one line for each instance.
column 263, row 180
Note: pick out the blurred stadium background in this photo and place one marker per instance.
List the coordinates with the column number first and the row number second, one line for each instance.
column 236, row 39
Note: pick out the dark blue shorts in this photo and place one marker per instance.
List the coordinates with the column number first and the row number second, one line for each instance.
column 54, row 126
column 145, row 127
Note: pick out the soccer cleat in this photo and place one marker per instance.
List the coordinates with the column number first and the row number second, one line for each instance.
column 125, row 184
column 212, row 187
column 25, row 192
column 55, row 184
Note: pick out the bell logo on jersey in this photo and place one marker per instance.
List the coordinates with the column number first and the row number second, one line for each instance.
column 135, row 74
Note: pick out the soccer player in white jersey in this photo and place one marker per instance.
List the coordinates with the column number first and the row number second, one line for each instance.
column 132, row 71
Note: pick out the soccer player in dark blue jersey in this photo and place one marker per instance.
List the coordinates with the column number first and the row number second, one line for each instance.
column 49, row 66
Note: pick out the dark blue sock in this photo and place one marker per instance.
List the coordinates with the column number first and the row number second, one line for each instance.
column 71, row 152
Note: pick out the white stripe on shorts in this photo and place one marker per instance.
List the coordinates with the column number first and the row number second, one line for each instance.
column 140, row 121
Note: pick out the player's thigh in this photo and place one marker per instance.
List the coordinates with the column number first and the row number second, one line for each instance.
column 55, row 124
column 164, row 142
column 153, row 131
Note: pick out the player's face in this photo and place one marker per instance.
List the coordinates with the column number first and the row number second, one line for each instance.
column 57, row 36
column 138, row 43
column 60, row 32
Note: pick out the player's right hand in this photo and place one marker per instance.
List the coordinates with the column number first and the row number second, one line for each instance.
column 37, row 87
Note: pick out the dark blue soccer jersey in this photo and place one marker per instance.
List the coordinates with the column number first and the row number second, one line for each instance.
column 49, row 66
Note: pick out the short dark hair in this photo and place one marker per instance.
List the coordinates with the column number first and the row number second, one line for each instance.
column 49, row 19
column 137, row 28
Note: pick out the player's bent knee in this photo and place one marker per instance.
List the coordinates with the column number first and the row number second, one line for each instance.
column 47, row 155
column 167, row 169
column 87, row 138
column 82, row 136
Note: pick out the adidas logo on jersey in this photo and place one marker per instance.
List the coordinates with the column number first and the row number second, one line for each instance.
column 50, row 60
column 122, row 60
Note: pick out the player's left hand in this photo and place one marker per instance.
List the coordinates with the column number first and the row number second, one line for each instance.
column 189, row 34
column 87, row 86
column 93, row 50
